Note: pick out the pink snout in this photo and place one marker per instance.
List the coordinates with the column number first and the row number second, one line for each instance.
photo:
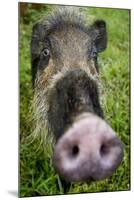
column 88, row 150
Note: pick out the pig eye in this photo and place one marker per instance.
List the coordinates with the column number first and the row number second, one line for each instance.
column 94, row 52
column 46, row 52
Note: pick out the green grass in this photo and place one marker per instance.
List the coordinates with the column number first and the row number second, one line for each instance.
column 37, row 176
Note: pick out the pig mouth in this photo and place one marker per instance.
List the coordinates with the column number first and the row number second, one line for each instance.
column 89, row 150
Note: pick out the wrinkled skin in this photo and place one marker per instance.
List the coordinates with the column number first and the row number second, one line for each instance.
column 65, row 79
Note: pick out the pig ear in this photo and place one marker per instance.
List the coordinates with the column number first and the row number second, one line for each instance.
column 36, row 46
column 99, row 35
column 37, row 39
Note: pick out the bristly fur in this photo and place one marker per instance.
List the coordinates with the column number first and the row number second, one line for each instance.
column 61, row 16
column 40, row 108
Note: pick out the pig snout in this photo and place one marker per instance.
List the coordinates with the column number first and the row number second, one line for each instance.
column 89, row 150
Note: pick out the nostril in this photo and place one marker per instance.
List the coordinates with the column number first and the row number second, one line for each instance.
column 75, row 151
column 104, row 149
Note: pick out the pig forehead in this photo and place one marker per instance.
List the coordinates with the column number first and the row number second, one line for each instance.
column 71, row 38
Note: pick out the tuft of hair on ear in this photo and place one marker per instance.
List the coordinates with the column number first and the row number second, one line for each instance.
column 100, row 24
